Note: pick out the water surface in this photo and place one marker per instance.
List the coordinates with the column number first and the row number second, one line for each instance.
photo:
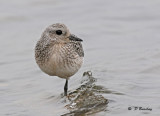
column 121, row 43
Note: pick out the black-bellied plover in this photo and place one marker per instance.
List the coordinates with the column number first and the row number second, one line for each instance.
column 59, row 53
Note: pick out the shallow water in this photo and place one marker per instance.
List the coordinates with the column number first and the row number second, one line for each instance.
column 122, row 49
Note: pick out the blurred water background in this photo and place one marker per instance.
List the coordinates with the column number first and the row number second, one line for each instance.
column 122, row 49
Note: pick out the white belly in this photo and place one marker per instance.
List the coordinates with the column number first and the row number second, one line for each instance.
column 57, row 66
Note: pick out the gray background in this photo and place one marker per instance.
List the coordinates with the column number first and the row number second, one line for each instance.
column 122, row 49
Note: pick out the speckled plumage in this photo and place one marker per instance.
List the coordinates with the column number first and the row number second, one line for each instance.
column 59, row 55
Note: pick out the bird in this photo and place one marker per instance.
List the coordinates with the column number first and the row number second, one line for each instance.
column 59, row 53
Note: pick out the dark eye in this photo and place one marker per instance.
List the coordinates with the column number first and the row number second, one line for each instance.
column 58, row 32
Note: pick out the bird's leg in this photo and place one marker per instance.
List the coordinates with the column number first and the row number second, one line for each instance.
column 66, row 87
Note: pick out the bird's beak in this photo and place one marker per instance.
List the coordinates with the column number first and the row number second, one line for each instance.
column 74, row 38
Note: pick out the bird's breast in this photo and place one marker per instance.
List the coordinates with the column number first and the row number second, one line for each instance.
column 64, row 62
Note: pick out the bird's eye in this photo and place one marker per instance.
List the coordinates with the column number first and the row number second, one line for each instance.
column 58, row 32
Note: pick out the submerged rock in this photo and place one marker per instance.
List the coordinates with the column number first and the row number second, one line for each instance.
column 86, row 99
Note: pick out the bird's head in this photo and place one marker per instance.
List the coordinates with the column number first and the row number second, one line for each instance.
column 60, row 33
